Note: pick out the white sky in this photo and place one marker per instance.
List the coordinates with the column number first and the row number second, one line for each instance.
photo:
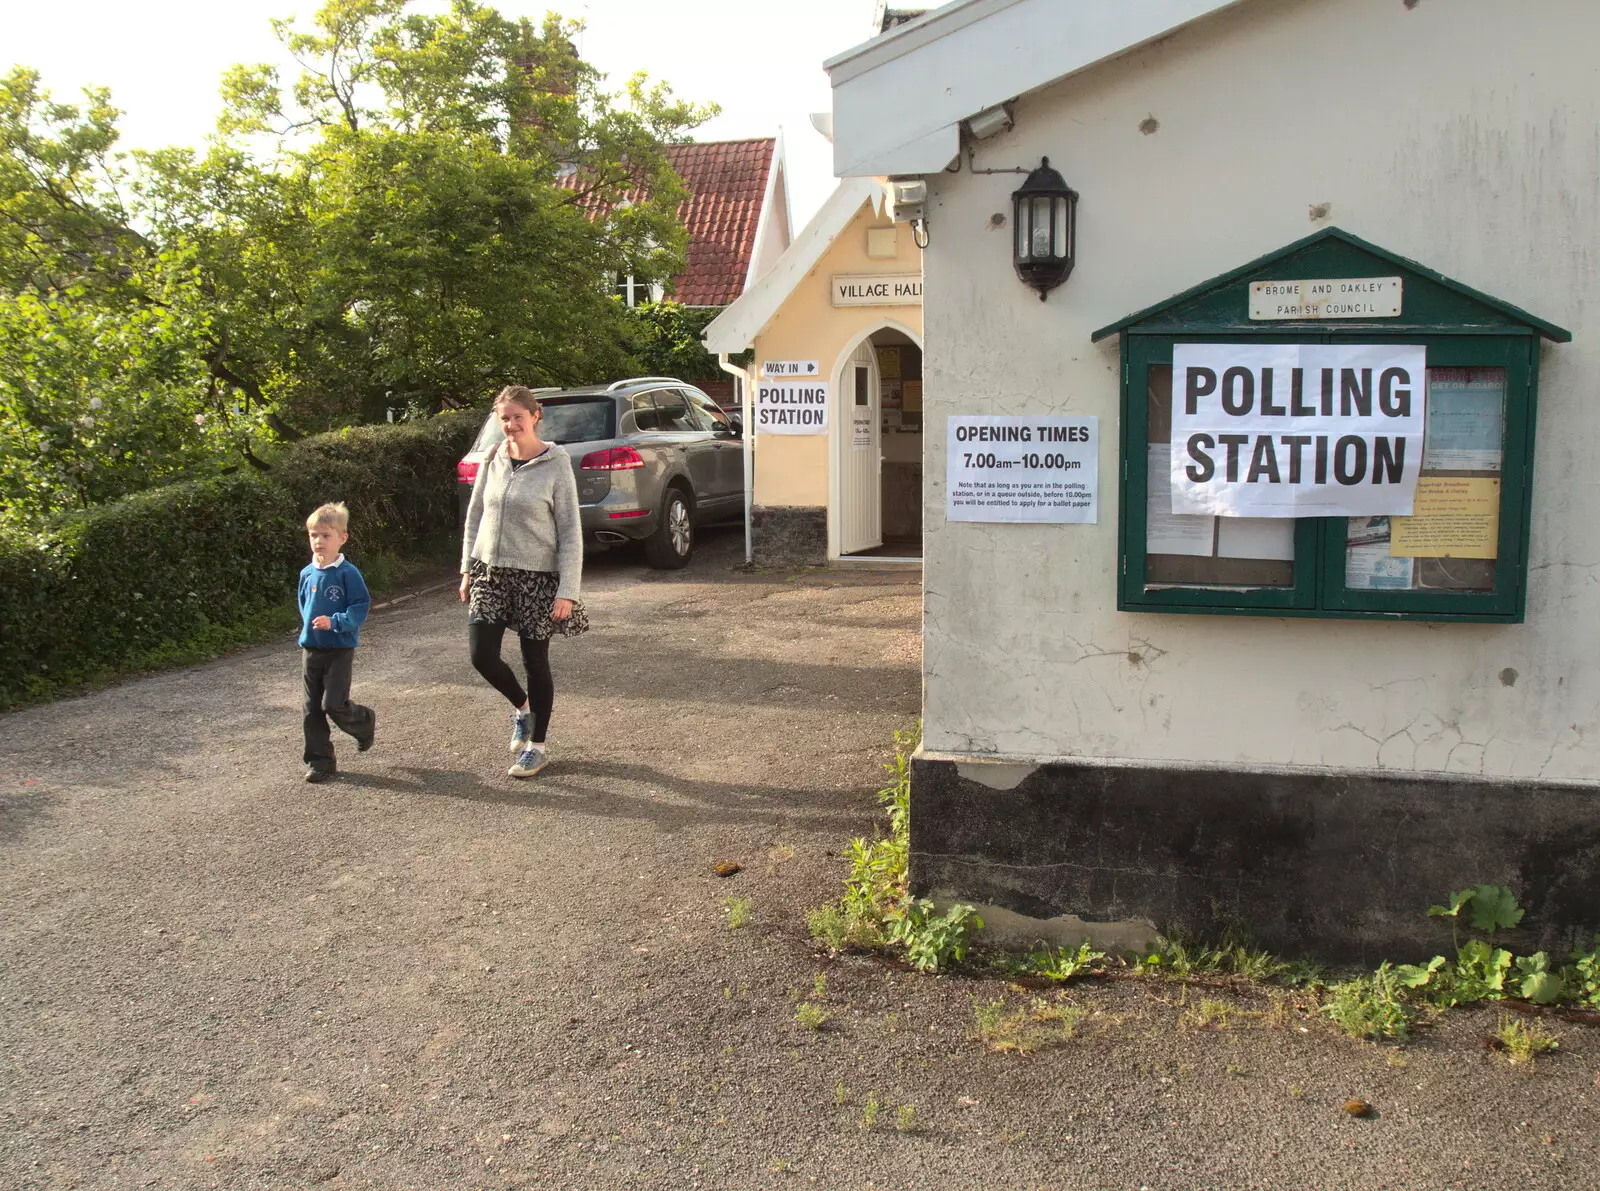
column 761, row 60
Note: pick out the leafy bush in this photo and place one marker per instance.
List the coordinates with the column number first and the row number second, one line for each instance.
column 667, row 341
column 154, row 577
column 398, row 480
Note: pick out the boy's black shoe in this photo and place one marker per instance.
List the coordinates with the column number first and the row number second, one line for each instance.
column 315, row 775
column 363, row 743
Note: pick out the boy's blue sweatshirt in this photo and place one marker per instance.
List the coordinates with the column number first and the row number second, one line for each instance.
column 339, row 593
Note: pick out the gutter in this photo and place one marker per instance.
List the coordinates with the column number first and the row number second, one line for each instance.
column 747, row 433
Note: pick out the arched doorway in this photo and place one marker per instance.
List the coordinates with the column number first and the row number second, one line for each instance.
column 876, row 493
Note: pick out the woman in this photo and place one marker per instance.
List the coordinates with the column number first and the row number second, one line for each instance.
column 521, row 566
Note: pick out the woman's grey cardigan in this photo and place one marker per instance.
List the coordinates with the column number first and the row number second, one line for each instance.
column 527, row 518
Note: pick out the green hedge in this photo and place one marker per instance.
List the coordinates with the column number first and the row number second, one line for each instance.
column 399, row 481
column 185, row 568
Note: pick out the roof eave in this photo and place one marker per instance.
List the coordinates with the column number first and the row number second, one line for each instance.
column 899, row 99
column 737, row 327
column 1544, row 327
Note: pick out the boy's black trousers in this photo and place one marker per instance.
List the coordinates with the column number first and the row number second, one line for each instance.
column 327, row 680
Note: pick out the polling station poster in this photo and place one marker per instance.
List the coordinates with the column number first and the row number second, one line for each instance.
column 1297, row 430
column 791, row 407
column 1023, row 469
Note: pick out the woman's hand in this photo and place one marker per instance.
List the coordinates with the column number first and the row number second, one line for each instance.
column 466, row 586
column 561, row 609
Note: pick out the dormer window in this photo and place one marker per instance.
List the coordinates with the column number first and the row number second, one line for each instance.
column 635, row 291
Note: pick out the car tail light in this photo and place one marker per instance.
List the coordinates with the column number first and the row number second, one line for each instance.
column 628, row 513
column 614, row 459
column 467, row 471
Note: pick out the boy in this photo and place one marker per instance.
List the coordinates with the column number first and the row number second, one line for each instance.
column 333, row 603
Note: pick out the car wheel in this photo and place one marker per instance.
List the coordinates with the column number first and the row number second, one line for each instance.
column 673, row 541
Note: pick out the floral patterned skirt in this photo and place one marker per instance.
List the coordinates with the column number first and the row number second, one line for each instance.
column 520, row 601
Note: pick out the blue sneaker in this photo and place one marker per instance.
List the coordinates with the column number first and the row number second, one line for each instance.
column 521, row 730
column 531, row 761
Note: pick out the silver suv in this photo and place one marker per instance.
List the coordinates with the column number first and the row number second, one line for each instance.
column 654, row 458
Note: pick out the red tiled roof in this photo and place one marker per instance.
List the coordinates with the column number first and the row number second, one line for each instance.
column 726, row 181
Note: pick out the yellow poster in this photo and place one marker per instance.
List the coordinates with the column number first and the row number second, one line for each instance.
column 889, row 363
column 913, row 396
column 1453, row 517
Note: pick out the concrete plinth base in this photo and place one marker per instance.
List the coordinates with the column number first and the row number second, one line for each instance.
column 1338, row 865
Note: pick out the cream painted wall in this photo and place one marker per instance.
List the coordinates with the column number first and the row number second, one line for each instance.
column 792, row 469
column 1463, row 135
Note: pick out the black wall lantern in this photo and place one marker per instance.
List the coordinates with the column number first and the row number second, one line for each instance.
column 1045, row 216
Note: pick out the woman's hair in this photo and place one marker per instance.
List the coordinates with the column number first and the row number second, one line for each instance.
column 518, row 395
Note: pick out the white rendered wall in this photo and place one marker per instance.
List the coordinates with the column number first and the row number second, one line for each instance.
column 1464, row 135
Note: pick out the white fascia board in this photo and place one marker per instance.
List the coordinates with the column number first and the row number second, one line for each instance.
column 768, row 196
column 738, row 325
column 898, row 100
column 788, row 200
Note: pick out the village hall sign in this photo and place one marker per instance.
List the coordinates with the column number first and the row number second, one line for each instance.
column 877, row 289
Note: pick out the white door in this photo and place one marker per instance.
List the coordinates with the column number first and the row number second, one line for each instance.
column 860, row 456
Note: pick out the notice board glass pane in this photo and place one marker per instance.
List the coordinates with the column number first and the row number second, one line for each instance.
column 1192, row 551
column 1451, row 541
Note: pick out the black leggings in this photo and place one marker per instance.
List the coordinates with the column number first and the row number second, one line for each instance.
column 486, row 660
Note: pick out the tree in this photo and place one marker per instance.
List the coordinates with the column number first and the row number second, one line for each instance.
column 667, row 341
column 62, row 221
column 104, row 337
column 99, row 400
column 459, row 187
column 428, row 211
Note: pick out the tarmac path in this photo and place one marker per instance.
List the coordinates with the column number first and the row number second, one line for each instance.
column 427, row 975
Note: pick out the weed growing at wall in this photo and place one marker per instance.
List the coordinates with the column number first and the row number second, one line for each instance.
column 1386, row 1003
column 1181, row 956
column 1065, row 964
column 1584, row 979
column 1521, row 1041
column 1371, row 1006
column 1481, row 970
column 877, row 910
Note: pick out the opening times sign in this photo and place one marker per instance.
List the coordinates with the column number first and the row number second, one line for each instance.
column 1296, row 430
column 1023, row 469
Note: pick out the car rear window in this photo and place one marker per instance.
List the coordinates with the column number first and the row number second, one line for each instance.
column 579, row 421
column 564, row 422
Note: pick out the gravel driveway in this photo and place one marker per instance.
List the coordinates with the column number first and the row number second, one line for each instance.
column 430, row 976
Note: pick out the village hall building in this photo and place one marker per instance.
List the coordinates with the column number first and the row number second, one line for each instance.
column 833, row 388
column 1260, row 507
